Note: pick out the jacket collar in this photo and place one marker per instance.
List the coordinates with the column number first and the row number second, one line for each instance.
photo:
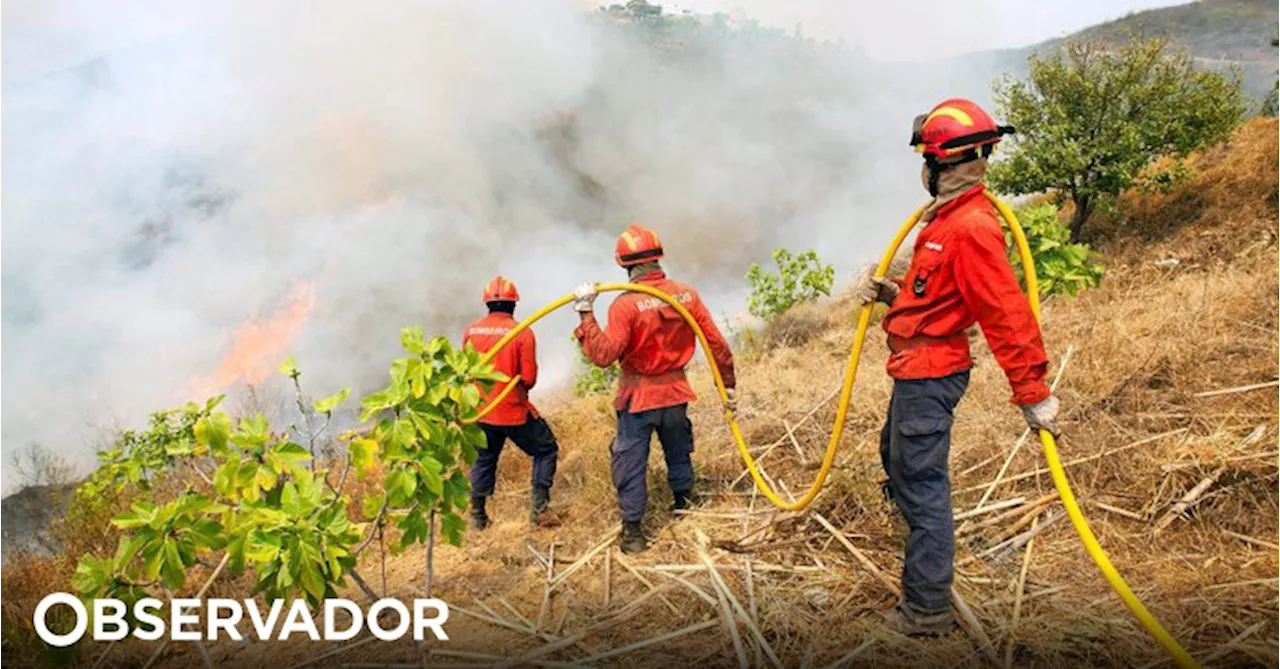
column 651, row 277
column 962, row 199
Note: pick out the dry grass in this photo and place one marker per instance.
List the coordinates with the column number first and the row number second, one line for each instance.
column 1145, row 343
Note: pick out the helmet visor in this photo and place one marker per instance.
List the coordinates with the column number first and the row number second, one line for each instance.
column 917, row 130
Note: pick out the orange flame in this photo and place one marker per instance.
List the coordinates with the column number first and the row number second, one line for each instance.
column 260, row 344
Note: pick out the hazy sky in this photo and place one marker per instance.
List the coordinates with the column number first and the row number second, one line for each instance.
column 926, row 29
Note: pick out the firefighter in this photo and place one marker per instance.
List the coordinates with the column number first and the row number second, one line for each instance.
column 515, row 418
column 959, row 275
column 653, row 343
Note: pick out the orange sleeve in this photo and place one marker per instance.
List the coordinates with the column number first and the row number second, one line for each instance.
column 719, row 346
column 605, row 347
column 529, row 359
column 991, row 292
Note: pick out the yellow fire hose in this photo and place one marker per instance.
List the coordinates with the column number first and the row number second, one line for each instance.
column 1047, row 442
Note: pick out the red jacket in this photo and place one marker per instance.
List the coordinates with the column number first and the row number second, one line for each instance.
column 654, row 344
column 518, row 357
column 960, row 274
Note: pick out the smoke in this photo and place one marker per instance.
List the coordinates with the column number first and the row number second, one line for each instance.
column 194, row 165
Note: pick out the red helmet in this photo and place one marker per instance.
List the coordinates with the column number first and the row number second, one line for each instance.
column 500, row 289
column 953, row 127
column 637, row 244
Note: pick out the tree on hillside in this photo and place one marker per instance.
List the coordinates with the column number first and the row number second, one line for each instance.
column 1271, row 105
column 35, row 466
column 1092, row 119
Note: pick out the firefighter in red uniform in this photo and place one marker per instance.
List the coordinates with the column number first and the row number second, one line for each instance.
column 959, row 275
column 515, row 418
column 653, row 343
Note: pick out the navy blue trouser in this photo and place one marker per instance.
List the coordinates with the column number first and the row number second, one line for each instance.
column 534, row 437
column 914, row 446
column 629, row 456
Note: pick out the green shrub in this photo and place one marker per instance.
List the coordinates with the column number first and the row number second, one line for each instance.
column 591, row 379
column 800, row 279
column 1061, row 267
column 256, row 496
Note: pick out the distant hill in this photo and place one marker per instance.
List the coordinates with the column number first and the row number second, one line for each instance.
column 1217, row 33
column 26, row 517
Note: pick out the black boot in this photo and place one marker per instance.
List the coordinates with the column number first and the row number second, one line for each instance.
column 633, row 537
column 540, row 499
column 681, row 501
column 479, row 519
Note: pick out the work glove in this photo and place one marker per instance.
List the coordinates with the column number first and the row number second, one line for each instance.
column 584, row 297
column 731, row 400
column 870, row 288
column 1043, row 415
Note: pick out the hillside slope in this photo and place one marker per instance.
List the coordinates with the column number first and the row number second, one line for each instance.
column 1167, row 374
column 1146, row 365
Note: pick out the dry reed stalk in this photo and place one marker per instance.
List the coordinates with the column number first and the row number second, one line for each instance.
column 1188, row 500
column 1017, row 604
column 336, row 651
column 866, row 562
column 731, row 626
column 608, row 576
column 1119, row 511
column 794, row 442
column 1020, row 512
column 608, row 539
column 570, row 640
column 974, row 626
column 984, row 510
column 733, row 484
column 546, row 587
column 1238, row 389
column 1082, row 460
column 626, row 564
column 516, row 612
column 199, row 595
column 1004, row 468
column 1251, row 540
column 700, row 545
column 697, row 627
column 849, row 657
column 1008, row 599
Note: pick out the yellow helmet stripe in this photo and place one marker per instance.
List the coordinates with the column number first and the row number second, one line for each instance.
column 951, row 112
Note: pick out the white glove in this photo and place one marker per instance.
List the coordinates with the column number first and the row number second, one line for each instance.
column 870, row 288
column 731, row 400
column 1043, row 415
column 584, row 296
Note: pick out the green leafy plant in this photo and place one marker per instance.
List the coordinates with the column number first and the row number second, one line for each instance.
column 255, row 495
column 1092, row 119
column 1061, row 266
column 591, row 379
column 423, row 437
column 800, row 278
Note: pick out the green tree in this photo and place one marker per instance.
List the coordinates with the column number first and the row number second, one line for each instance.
column 1092, row 119
column 802, row 278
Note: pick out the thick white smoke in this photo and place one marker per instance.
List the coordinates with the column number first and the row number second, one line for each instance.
column 392, row 157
